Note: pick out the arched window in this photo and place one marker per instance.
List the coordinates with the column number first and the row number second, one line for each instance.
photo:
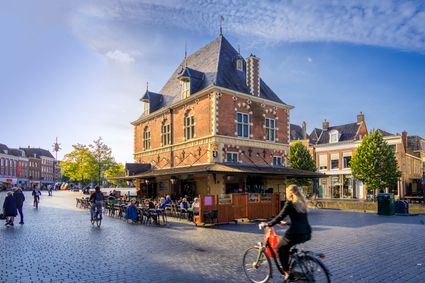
column 189, row 126
column 165, row 133
column 147, row 138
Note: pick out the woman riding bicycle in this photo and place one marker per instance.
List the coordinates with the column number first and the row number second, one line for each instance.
column 299, row 230
column 96, row 199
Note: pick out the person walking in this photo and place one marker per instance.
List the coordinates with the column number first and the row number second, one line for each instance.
column 9, row 208
column 19, row 198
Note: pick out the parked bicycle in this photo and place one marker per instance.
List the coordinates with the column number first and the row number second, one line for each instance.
column 97, row 216
column 304, row 266
column 315, row 203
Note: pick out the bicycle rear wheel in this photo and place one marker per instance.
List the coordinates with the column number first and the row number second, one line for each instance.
column 319, row 205
column 310, row 269
column 257, row 265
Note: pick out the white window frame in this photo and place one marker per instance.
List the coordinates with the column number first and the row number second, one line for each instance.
column 166, row 134
column 189, row 126
column 321, row 162
column 232, row 154
column 242, row 124
column 277, row 161
column 333, row 136
column 270, row 131
column 147, row 139
column 185, row 89
column 239, row 65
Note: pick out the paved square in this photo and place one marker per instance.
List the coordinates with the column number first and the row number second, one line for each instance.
column 57, row 243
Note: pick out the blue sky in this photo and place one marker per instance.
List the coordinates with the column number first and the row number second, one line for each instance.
column 76, row 69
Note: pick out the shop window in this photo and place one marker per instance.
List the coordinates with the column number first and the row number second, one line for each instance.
column 242, row 125
column 233, row 157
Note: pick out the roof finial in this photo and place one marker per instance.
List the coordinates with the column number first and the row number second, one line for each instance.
column 221, row 25
column 239, row 49
column 185, row 54
column 147, row 86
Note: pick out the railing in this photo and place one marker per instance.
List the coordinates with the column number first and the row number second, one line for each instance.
column 230, row 207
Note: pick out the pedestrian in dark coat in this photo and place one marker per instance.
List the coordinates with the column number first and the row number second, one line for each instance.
column 19, row 198
column 9, row 207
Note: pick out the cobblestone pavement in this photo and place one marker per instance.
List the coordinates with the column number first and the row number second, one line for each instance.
column 58, row 244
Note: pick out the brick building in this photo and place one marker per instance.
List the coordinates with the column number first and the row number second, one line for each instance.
column 214, row 128
column 40, row 169
column 13, row 167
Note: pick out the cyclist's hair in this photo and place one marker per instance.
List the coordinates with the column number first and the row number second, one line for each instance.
column 97, row 188
column 298, row 199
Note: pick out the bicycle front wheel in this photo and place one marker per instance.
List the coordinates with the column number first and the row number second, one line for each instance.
column 310, row 269
column 257, row 265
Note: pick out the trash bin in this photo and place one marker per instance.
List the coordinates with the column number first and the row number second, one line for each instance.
column 385, row 204
column 401, row 207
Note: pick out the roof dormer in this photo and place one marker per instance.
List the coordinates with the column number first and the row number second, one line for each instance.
column 184, row 78
column 333, row 136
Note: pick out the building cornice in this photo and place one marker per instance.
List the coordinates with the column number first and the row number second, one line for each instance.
column 207, row 90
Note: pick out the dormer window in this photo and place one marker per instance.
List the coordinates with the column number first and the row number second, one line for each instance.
column 146, row 105
column 185, row 89
column 333, row 136
column 239, row 64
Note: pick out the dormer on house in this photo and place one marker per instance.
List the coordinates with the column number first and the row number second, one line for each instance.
column 333, row 136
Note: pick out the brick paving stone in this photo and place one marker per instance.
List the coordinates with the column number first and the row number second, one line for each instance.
column 58, row 244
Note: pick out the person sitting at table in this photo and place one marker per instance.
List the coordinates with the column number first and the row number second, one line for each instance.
column 131, row 211
column 124, row 197
column 184, row 205
column 194, row 209
column 166, row 202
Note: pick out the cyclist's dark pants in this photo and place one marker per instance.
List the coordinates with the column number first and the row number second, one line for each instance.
column 286, row 243
column 21, row 214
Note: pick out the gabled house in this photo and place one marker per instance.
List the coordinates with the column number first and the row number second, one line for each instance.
column 215, row 127
column 333, row 149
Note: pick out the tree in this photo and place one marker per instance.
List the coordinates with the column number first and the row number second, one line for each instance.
column 374, row 163
column 300, row 158
column 77, row 165
column 117, row 169
column 102, row 157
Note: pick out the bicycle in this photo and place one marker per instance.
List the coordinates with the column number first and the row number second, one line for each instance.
column 304, row 266
column 36, row 201
column 316, row 203
column 97, row 218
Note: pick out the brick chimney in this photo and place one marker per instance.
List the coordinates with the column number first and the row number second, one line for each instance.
column 404, row 139
column 304, row 127
column 360, row 117
column 253, row 74
column 325, row 125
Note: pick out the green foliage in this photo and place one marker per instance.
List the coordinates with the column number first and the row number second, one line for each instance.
column 90, row 163
column 374, row 163
column 300, row 158
column 116, row 170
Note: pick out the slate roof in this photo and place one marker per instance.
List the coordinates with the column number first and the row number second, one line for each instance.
column 213, row 64
column 415, row 143
column 347, row 132
column 15, row 152
column 154, row 99
column 384, row 133
column 136, row 168
column 30, row 151
column 315, row 135
column 296, row 132
column 3, row 147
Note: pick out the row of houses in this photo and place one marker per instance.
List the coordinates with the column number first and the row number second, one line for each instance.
column 333, row 147
column 27, row 167
column 216, row 128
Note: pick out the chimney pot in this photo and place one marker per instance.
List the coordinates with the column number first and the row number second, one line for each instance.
column 304, row 126
column 360, row 117
column 325, row 124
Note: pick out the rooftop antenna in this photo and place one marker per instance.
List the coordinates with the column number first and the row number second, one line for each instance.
column 221, row 25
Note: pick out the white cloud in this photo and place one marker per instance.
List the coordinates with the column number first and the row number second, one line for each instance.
column 391, row 23
column 119, row 56
column 309, row 59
